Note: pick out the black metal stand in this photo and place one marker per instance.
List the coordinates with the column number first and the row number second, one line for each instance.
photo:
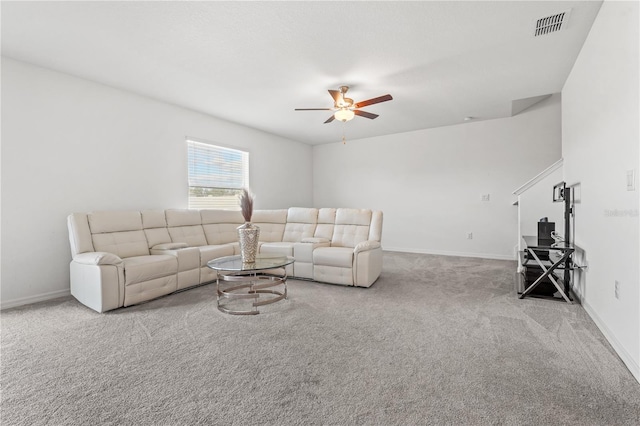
column 567, row 237
column 560, row 193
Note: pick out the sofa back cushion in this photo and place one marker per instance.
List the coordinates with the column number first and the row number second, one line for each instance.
column 271, row 223
column 118, row 232
column 185, row 226
column 326, row 223
column 220, row 226
column 182, row 217
column 301, row 223
column 352, row 227
column 155, row 227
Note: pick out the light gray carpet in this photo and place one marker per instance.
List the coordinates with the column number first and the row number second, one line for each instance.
column 437, row 340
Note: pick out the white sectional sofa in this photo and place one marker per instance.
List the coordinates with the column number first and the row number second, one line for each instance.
column 121, row 258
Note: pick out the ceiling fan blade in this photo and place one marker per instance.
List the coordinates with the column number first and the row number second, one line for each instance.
column 373, row 101
column 330, row 119
column 313, row 109
column 335, row 94
column 365, row 114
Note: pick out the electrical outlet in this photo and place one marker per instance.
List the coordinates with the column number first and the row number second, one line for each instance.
column 486, row 197
column 470, row 236
column 616, row 289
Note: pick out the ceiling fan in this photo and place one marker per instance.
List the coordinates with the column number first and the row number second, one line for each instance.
column 345, row 109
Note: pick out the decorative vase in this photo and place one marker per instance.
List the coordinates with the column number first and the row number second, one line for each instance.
column 248, row 235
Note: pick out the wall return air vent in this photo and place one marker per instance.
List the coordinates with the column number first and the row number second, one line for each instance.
column 551, row 24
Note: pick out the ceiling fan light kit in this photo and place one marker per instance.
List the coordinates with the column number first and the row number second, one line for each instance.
column 345, row 109
column 344, row 114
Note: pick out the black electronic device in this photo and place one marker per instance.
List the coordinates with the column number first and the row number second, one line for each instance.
column 559, row 191
column 544, row 233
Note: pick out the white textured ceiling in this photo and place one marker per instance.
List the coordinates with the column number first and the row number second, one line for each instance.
column 254, row 62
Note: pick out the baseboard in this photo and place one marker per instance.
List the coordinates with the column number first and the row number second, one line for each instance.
column 625, row 356
column 453, row 253
column 6, row 304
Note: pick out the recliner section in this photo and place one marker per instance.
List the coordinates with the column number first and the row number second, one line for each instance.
column 121, row 258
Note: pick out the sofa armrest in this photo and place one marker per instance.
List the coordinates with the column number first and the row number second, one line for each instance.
column 315, row 240
column 97, row 258
column 366, row 246
column 170, row 246
column 367, row 263
column 97, row 280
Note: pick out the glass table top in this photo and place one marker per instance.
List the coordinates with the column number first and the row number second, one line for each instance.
column 533, row 243
column 263, row 261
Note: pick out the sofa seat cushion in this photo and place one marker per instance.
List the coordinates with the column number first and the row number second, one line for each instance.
column 208, row 253
column 333, row 256
column 144, row 268
column 284, row 248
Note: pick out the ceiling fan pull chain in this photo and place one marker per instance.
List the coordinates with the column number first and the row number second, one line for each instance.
column 344, row 140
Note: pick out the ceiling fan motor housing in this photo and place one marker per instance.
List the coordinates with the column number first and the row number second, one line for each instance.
column 343, row 102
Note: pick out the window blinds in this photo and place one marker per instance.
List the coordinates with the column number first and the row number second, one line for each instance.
column 213, row 166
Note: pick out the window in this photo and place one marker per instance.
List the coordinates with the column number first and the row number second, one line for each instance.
column 216, row 175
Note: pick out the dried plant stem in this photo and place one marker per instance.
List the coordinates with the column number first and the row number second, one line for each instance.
column 246, row 204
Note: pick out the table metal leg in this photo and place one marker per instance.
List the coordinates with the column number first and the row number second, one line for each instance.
column 256, row 285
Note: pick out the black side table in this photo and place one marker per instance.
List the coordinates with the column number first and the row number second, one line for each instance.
column 564, row 250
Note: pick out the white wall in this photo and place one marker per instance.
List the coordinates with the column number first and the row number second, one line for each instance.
column 429, row 183
column 600, row 143
column 73, row 145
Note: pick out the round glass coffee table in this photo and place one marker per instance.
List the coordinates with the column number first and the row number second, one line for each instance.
column 238, row 280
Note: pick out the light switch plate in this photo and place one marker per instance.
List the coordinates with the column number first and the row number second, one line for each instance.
column 631, row 180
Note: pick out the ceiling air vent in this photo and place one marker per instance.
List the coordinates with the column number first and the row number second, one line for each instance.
column 551, row 24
